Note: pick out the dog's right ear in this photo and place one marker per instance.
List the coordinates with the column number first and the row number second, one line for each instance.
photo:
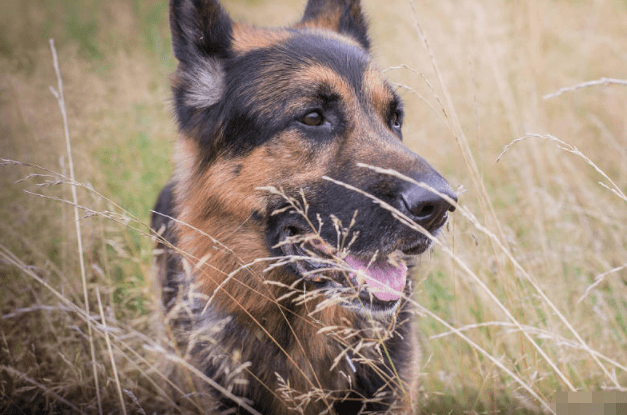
column 200, row 29
column 201, row 38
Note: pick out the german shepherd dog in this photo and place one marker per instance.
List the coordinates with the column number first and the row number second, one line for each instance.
column 283, row 254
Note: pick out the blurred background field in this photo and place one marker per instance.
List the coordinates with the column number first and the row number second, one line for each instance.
column 537, row 279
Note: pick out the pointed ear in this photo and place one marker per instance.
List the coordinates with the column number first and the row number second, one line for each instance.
column 200, row 29
column 342, row 16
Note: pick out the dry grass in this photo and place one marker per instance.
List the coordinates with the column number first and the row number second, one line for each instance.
column 523, row 296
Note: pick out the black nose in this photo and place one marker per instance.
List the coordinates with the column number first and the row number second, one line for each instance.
column 426, row 208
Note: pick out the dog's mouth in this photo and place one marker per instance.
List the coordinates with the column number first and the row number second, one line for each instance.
column 374, row 281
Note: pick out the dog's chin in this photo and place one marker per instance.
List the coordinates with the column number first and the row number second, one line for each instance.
column 371, row 285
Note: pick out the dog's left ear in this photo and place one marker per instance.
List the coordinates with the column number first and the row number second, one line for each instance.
column 342, row 16
column 200, row 29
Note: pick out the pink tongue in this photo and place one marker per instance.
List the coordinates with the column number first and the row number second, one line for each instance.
column 386, row 280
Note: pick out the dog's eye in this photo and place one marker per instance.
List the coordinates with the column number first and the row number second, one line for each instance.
column 313, row 118
column 396, row 120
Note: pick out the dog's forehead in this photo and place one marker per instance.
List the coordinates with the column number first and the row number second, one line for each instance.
column 298, row 60
column 301, row 50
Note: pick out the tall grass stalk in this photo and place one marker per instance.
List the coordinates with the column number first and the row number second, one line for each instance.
column 587, row 84
column 114, row 367
column 58, row 94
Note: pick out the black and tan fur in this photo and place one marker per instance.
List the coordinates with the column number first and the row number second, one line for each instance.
column 266, row 116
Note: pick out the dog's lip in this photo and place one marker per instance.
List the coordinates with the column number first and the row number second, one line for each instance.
column 417, row 247
column 318, row 258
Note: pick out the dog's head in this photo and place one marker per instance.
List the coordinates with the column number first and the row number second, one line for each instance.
column 300, row 110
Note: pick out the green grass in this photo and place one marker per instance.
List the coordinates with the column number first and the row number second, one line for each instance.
column 559, row 228
column 81, row 25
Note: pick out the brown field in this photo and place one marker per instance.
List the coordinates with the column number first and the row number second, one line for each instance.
column 525, row 296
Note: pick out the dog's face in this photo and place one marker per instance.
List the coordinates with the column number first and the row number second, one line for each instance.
column 297, row 110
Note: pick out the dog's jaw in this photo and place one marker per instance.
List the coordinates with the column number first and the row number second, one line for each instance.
column 365, row 283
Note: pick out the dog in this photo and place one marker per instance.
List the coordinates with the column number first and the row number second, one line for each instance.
column 284, row 242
